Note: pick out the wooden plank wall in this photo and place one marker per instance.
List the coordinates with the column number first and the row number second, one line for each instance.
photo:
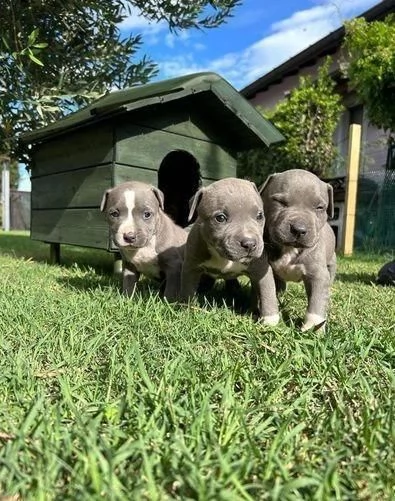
column 69, row 177
column 143, row 146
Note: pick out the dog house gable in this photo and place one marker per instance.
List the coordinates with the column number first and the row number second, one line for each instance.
column 175, row 134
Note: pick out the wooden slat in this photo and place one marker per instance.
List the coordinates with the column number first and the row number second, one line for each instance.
column 79, row 188
column 85, row 227
column 81, row 148
column 172, row 118
column 123, row 173
column 139, row 146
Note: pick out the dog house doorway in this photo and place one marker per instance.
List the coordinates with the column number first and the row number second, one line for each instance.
column 179, row 179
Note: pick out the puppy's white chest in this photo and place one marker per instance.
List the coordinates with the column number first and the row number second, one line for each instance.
column 144, row 259
column 219, row 266
column 287, row 268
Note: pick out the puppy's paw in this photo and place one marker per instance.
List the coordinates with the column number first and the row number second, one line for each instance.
column 313, row 321
column 271, row 320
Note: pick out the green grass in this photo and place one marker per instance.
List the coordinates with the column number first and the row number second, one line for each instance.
column 102, row 397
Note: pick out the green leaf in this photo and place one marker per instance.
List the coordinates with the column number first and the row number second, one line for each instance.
column 32, row 37
column 41, row 45
column 34, row 59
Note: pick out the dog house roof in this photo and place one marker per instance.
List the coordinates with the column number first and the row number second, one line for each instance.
column 208, row 92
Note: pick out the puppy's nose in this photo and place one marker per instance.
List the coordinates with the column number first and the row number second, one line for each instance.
column 298, row 229
column 129, row 238
column 248, row 244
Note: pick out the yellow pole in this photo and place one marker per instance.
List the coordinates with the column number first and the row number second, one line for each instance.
column 354, row 154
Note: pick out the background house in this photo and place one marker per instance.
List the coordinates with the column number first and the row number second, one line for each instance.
column 375, row 222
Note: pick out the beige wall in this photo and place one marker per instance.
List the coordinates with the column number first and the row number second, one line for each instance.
column 276, row 92
column 374, row 150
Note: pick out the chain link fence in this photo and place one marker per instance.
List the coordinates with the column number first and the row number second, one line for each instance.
column 375, row 212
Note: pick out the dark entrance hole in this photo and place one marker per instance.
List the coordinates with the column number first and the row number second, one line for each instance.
column 179, row 179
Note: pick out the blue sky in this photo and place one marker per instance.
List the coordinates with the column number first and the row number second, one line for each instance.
column 259, row 37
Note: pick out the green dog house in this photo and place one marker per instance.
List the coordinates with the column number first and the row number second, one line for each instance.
column 176, row 134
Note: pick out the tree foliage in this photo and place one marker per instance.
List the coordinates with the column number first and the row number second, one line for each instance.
column 308, row 119
column 370, row 67
column 56, row 56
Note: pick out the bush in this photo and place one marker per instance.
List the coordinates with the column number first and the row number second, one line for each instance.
column 308, row 120
column 370, row 67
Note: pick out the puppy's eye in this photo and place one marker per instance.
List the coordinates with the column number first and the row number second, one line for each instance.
column 259, row 216
column 221, row 218
column 147, row 214
column 320, row 208
column 280, row 201
column 113, row 212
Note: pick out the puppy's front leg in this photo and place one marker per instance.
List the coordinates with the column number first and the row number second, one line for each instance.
column 173, row 283
column 281, row 285
column 190, row 279
column 130, row 278
column 317, row 289
column 332, row 268
column 264, row 287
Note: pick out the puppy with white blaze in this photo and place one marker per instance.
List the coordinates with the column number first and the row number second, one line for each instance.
column 149, row 242
column 226, row 241
column 299, row 241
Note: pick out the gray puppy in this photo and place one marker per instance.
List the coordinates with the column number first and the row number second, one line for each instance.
column 299, row 241
column 148, row 240
column 226, row 241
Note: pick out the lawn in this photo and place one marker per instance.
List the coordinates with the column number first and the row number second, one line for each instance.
column 103, row 397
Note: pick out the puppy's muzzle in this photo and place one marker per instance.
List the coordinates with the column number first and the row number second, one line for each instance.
column 249, row 244
column 298, row 229
column 129, row 238
column 242, row 249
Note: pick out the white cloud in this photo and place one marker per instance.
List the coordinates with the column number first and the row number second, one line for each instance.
column 199, row 46
column 135, row 23
column 302, row 18
column 286, row 38
column 173, row 39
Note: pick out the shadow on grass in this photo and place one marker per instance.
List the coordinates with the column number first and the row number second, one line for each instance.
column 362, row 278
column 237, row 298
column 20, row 245
column 98, row 272
column 90, row 281
column 217, row 296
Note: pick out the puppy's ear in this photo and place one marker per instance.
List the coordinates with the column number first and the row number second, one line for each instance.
column 104, row 200
column 265, row 184
column 160, row 196
column 331, row 209
column 194, row 203
column 255, row 187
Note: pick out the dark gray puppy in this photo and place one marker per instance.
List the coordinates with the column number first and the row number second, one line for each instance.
column 148, row 240
column 386, row 274
column 299, row 241
column 226, row 241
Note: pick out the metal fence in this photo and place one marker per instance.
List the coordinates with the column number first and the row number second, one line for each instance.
column 375, row 213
